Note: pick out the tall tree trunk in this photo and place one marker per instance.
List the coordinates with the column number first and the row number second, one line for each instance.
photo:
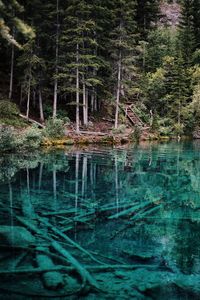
column 55, row 97
column 77, row 90
column 118, row 90
column 92, row 99
column 29, row 96
column 85, row 104
column 41, row 106
column 11, row 72
column 95, row 101
column 86, row 110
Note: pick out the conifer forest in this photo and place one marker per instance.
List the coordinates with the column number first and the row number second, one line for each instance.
column 81, row 60
column 99, row 149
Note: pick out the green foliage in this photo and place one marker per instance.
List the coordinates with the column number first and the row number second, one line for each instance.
column 162, row 42
column 7, row 139
column 9, row 112
column 93, row 43
column 165, row 126
column 120, row 130
column 137, row 133
column 178, row 129
column 61, row 113
column 8, row 11
column 54, row 128
column 31, row 138
column 13, row 141
column 8, row 109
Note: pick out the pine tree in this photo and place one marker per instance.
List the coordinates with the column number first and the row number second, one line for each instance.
column 31, row 65
column 147, row 13
column 187, row 32
column 9, row 19
column 79, row 57
column 123, row 50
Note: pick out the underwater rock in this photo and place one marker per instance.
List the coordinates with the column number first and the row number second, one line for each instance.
column 188, row 282
column 52, row 280
column 15, row 236
column 145, row 280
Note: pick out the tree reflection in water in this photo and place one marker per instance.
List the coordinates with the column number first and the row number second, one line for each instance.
column 104, row 222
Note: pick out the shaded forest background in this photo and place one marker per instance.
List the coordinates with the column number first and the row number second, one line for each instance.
column 80, row 60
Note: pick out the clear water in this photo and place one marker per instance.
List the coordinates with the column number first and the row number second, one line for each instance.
column 101, row 223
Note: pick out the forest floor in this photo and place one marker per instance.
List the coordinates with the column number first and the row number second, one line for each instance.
column 100, row 132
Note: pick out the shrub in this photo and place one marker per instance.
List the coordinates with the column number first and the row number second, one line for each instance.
column 178, row 129
column 136, row 134
column 7, row 139
column 32, row 138
column 165, row 127
column 9, row 114
column 54, row 128
column 8, row 108
column 120, row 129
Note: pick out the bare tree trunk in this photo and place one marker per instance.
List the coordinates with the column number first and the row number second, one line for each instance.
column 118, row 90
column 41, row 106
column 77, row 90
column 55, row 97
column 29, row 95
column 86, row 110
column 95, row 102
column 11, row 72
column 85, row 104
column 92, row 100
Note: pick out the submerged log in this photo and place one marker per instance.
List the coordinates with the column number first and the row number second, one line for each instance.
column 131, row 210
column 67, row 239
column 85, row 275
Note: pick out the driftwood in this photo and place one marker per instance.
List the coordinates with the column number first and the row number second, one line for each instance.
column 31, row 121
column 85, row 275
column 131, row 210
column 108, row 120
column 66, row 238
column 93, row 133
column 140, row 216
column 95, row 269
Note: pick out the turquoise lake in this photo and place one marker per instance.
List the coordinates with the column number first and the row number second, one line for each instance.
column 101, row 223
